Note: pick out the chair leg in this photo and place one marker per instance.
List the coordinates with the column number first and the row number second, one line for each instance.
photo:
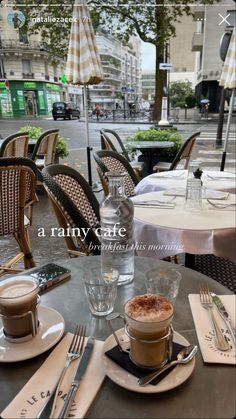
column 24, row 244
column 8, row 267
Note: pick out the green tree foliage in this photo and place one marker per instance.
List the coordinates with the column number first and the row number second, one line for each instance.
column 181, row 94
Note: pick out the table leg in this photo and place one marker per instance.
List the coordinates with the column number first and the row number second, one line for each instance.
column 189, row 260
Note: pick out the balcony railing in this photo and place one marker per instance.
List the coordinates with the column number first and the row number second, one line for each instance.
column 28, row 75
column 16, row 44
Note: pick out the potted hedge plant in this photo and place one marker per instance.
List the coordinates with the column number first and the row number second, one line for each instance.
column 35, row 132
column 152, row 134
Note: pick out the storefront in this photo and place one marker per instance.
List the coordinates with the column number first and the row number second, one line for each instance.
column 28, row 98
column 53, row 94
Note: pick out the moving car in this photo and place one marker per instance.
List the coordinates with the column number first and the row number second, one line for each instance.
column 64, row 110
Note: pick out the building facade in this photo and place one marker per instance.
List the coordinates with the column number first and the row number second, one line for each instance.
column 206, row 43
column 122, row 68
column 29, row 80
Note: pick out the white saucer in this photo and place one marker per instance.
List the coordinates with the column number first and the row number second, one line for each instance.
column 124, row 379
column 51, row 329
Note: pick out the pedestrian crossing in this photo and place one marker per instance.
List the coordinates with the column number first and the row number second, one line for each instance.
column 207, row 152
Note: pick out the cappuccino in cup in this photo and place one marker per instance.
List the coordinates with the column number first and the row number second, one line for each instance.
column 148, row 324
column 18, row 307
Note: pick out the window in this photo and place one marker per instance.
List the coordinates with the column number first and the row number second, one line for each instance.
column 23, row 37
column 26, row 66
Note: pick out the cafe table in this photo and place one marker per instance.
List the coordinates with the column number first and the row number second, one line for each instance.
column 150, row 147
column 173, row 179
column 161, row 232
column 208, row 393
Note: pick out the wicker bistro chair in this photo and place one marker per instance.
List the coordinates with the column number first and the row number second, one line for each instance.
column 17, row 193
column 15, row 145
column 184, row 153
column 111, row 161
column 45, row 148
column 110, row 140
column 75, row 206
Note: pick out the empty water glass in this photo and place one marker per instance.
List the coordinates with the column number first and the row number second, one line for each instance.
column 193, row 196
column 164, row 281
column 101, row 290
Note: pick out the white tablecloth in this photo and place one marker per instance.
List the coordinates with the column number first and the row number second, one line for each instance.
column 177, row 178
column 161, row 232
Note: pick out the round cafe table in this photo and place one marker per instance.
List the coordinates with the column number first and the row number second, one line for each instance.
column 162, row 232
column 208, row 393
column 149, row 147
column 212, row 179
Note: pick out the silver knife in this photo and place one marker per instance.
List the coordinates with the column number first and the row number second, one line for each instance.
column 225, row 316
column 77, row 379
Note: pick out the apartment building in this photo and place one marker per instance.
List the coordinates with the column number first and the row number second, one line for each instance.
column 209, row 29
column 122, row 68
column 29, row 80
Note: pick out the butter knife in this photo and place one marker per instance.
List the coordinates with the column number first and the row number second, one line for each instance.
column 77, row 379
column 224, row 314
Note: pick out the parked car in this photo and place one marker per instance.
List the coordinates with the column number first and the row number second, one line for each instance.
column 64, row 110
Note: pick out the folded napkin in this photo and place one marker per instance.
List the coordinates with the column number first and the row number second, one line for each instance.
column 123, row 360
column 205, row 331
column 207, row 193
column 31, row 399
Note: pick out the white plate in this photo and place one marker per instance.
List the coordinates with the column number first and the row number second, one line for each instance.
column 51, row 329
column 124, row 379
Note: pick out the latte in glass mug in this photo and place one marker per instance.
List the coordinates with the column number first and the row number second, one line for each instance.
column 18, row 306
column 148, row 324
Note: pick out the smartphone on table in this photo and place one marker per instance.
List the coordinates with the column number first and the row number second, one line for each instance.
column 49, row 275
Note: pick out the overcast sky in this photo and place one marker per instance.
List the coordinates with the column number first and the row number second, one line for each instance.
column 148, row 56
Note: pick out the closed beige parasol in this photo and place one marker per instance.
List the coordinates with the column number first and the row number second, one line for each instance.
column 83, row 61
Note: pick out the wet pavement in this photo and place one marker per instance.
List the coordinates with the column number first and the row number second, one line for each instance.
column 49, row 248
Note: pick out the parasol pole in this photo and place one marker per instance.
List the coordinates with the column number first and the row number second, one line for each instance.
column 231, row 105
column 87, row 136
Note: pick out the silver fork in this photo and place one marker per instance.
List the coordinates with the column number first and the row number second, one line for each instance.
column 206, row 302
column 220, row 205
column 74, row 352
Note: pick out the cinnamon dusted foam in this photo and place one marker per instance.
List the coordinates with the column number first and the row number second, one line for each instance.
column 149, row 308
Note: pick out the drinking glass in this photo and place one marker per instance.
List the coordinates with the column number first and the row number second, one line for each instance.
column 165, row 282
column 101, row 290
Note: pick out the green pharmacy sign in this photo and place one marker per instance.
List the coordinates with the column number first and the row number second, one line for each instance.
column 29, row 85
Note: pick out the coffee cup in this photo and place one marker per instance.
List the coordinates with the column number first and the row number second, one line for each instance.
column 18, row 307
column 148, row 325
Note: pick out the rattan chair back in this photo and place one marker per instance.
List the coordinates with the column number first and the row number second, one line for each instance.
column 111, row 161
column 15, row 145
column 75, row 207
column 46, row 147
column 185, row 152
column 110, row 140
column 17, row 193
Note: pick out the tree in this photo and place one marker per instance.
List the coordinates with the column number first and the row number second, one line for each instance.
column 181, row 94
column 153, row 22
